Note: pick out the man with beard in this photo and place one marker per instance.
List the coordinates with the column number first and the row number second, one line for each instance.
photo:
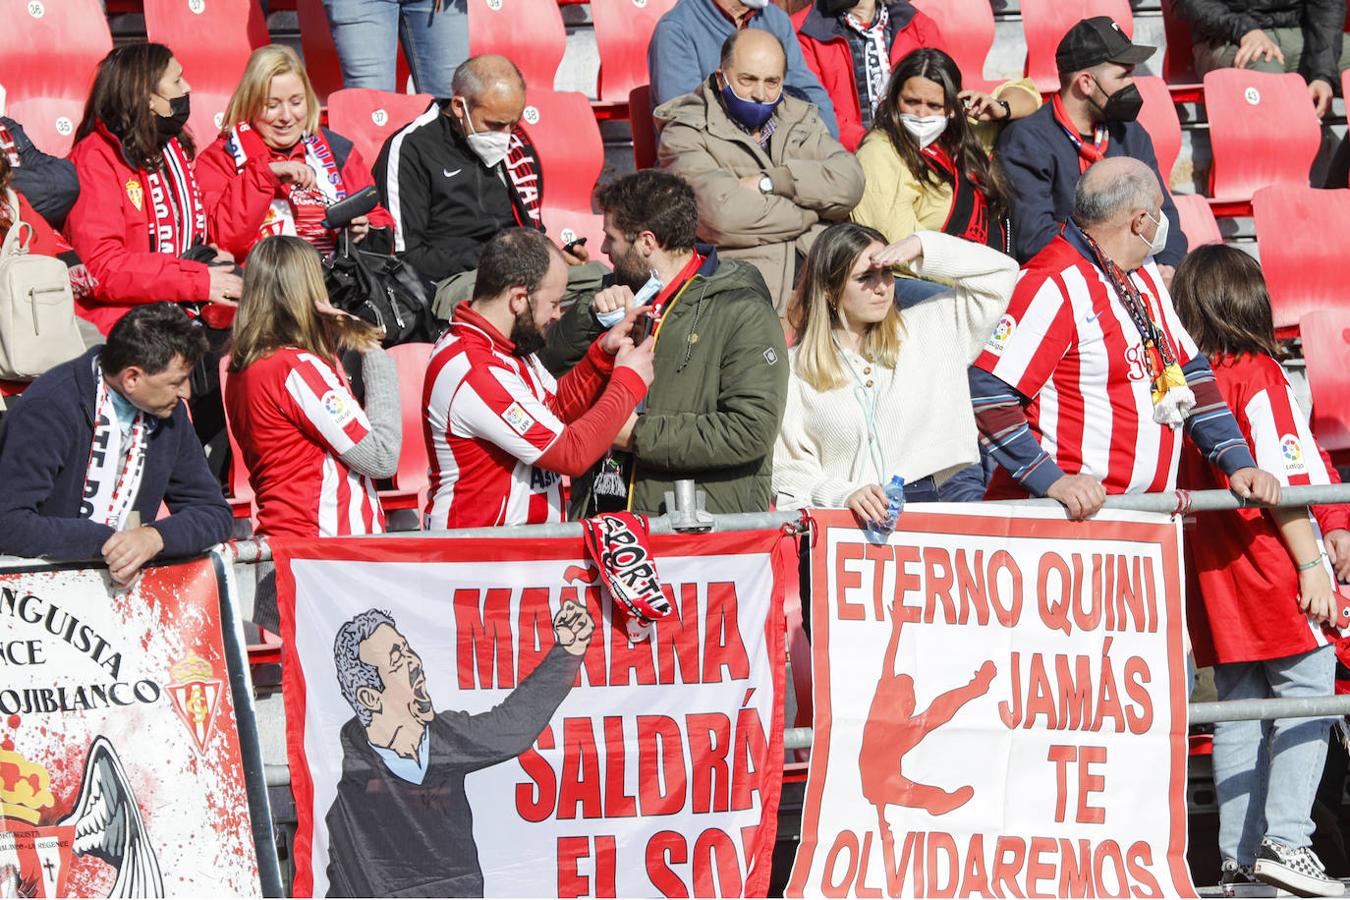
column 501, row 430
column 714, row 411
column 401, row 824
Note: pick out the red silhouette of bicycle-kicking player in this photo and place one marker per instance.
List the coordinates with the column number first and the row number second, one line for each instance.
column 893, row 729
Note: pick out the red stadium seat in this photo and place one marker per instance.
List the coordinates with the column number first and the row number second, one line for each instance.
column 1197, row 220
column 1303, row 268
column 50, row 122
column 1178, row 59
column 239, row 491
column 212, row 39
column 1326, row 348
column 622, row 30
column 1245, row 110
column 48, row 52
column 1159, row 118
column 367, row 117
column 572, row 155
column 967, row 33
column 411, row 480
column 644, row 126
column 316, row 43
column 530, row 33
column 1045, row 22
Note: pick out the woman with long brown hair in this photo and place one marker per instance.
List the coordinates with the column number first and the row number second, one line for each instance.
column 311, row 449
column 876, row 392
column 139, row 210
column 926, row 159
column 1266, row 585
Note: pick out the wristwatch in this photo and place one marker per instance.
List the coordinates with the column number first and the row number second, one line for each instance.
column 765, row 184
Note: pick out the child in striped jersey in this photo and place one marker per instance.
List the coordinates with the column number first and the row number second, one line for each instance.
column 1261, row 584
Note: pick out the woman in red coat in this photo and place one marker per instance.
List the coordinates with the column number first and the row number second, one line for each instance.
column 139, row 208
column 274, row 170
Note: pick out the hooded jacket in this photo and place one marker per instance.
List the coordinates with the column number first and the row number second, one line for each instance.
column 1322, row 21
column 44, row 457
column 686, row 47
column 716, row 401
column 109, row 229
column 815, row 181
column 826, row 50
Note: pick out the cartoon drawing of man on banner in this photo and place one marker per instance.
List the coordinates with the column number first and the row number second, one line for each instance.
column 401, row 824
column 893, row 729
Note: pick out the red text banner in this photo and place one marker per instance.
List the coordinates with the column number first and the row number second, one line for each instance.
column 468, row 717
column 120, row 755
column 1000, row 708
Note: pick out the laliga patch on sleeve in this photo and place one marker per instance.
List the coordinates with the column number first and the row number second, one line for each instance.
column 1003, row 331
column 519, row 420
column 339, row 406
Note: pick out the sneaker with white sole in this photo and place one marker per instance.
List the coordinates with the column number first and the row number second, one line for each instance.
column 1296, row 869
column 1232, row 875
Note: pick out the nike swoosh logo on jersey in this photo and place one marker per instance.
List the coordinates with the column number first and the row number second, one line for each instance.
column 448, row 174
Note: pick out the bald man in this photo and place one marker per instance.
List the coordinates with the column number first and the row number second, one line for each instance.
column 767, row 173
column 1089, row 382
column 461, row 171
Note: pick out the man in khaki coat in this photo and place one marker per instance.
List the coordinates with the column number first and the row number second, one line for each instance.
column 768, row 175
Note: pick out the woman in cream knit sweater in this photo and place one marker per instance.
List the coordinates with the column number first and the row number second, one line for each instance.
column 874, row 392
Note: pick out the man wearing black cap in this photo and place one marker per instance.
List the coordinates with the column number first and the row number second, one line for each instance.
column 1091, row 118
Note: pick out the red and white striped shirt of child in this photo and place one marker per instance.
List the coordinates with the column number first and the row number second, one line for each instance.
column 501, row 431
column 293, row 415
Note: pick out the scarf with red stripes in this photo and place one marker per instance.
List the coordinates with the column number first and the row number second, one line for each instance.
column 177, row 218
column 1087, row 153
column 9, row 147
column 527, row 181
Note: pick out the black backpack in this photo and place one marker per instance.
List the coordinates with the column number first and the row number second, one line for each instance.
column 384, row 290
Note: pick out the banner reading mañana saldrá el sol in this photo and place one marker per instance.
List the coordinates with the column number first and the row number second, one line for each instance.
column 467, row 717
column 121, row 768
column 1000, row 708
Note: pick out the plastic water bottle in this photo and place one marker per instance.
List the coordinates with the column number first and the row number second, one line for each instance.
column 895, row 502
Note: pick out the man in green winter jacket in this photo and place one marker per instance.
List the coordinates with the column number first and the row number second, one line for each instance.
column 716, row 402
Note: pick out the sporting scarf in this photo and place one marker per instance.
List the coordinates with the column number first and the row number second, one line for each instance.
column 968, row 217
column 108, row 497
column 1172, row 398
column 177, row 219
column 876, row 57
column 1087, row 153
column 300, row 211
column 525, row 180
column 618, row 543
column 9, row 147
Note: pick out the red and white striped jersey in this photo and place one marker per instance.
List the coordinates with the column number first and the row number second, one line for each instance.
column 1069, row 346
column 489, row 418
column 293, row 415
column 1243, row 604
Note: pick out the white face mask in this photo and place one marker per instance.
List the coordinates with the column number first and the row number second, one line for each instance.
column 489, row 146
column 756, row 4
column 1159, row 242
column 924, row 129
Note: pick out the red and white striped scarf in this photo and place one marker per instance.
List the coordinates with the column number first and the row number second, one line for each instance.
column 177, row 219
column 9, row 147
column 300, row 210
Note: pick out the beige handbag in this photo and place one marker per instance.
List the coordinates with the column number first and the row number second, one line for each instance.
column 37, row 308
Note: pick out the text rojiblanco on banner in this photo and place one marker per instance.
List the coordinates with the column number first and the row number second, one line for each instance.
column 467, row 717
column 120, row 759
column 1000, row 708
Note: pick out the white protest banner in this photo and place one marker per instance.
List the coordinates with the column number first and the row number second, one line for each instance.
column 1000, row 708
column 468, row 717
column 121, row 761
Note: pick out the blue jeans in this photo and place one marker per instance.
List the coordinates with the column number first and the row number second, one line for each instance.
column 367, row 34
column 909, row 291
column 1266, row 773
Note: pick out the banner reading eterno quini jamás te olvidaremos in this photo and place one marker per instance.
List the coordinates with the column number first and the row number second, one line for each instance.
column 999, row 710
column 468, row 717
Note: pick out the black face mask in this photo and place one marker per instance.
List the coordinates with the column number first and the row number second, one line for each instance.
column 831, row 8
column 170, row 126
column 1123, row 105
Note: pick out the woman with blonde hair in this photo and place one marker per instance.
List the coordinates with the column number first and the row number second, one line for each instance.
column 273, row 170
column 312, row 451
column 876, row 392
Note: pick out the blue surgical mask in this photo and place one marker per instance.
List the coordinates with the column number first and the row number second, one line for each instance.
column 751, row 114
